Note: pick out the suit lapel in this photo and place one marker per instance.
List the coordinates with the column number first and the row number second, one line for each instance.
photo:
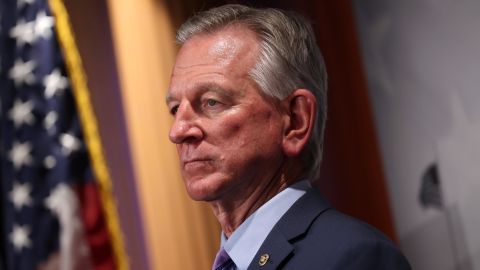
column 277, row 247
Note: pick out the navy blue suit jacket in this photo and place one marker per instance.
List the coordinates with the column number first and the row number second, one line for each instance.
column 311, row 235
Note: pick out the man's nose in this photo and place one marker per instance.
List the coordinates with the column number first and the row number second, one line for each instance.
column 185, row 128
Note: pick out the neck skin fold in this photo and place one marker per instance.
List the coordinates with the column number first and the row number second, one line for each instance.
column 232, row 213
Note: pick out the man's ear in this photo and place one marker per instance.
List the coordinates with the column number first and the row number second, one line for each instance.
column 301, row 108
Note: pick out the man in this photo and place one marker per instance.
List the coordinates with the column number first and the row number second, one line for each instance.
column 248, row 94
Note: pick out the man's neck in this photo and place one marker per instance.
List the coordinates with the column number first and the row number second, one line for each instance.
column 231, row 213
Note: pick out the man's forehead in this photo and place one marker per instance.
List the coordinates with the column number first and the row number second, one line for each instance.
column 226, row 56
column 220, row 47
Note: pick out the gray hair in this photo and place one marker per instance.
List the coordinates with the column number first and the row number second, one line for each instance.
column 289, row 59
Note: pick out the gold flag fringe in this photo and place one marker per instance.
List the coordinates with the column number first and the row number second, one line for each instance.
column 89, row 123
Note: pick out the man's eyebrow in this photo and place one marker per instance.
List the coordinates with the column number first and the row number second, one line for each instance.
column 215, row 88
column 206, row 87
column 168, row 98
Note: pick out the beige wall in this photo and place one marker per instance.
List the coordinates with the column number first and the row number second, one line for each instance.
column 180, row 234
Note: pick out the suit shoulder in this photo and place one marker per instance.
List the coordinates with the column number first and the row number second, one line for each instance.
column 336, row 224
column 349, row 244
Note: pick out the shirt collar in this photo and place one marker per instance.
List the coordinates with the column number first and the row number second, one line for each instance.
column 245, row 241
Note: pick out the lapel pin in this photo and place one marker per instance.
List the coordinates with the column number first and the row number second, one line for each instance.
column 263, row 259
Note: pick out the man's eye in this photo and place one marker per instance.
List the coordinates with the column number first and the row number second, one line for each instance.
column 211, row 102
column 174, row 110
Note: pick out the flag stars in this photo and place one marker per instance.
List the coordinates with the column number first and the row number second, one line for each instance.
column 22, row 72
column 28, row 32
column 50, row 120
column 69, row 143
column 43, row 25
column 23, row 32
column 20, row 195
column 49, row 162
column 60, row 196
column 20, row 154
column 54, row 82
column 21, row 112
column 19, row 237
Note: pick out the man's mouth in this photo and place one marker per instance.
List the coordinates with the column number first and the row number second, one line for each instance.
column 194, row 161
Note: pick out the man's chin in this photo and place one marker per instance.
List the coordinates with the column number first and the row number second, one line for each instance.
column 206, row 192
column 202, row 196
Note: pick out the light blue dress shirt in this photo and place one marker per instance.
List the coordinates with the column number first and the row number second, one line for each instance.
column 246, row 240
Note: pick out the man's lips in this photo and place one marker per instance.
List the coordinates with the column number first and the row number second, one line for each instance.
column 195, row 165
column 195, row 160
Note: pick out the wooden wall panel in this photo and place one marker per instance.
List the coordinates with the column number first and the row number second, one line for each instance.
column 175, row 227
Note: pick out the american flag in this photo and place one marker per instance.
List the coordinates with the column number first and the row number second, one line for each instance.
column 51, row 217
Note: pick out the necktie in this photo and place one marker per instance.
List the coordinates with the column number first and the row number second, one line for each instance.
column 223, row 261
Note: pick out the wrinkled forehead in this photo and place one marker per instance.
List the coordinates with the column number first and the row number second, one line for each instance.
column 228, row 45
